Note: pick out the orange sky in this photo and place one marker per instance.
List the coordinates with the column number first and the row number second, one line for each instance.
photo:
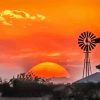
column 46, row 30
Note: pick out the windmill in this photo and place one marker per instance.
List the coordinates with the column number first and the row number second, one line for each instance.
column 87, row 42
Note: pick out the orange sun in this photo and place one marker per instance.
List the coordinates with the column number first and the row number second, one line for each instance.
column 48, row 70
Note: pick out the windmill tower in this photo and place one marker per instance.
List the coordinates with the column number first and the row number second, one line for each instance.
column 87, row 42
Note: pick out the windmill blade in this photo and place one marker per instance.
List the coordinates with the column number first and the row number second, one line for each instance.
column 81, row 44
column 90, row 34
column 93, row 37
column 87, row 34
column 84, row 33
column 80, row 40
column 91, row 46
column 81, row 37
column 83, row 47
column 97, row 40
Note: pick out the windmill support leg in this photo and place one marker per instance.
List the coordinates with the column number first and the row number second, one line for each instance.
column 84, row 68
column 90, row 67
column 87, row 65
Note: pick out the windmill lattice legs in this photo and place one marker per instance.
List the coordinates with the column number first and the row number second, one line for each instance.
column 87, row 65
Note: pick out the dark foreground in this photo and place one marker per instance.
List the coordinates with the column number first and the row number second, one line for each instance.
column 22, row 99
column 42, row 90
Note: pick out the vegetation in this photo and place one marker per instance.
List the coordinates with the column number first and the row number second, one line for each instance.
column 38, row 87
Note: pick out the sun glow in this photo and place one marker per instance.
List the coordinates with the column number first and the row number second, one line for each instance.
column 48, row 70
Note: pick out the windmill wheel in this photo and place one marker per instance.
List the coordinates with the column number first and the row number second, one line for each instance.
column 86, row 41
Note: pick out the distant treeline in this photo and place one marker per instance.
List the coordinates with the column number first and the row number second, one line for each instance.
column 35, row 88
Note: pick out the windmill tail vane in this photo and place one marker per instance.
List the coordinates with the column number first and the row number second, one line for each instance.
column 97, row 40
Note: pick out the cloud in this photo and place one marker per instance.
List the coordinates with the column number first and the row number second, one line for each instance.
column 41, row 16
column 3, row 21
column 17, row 14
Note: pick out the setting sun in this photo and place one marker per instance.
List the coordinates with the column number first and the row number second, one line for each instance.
column 48, row 70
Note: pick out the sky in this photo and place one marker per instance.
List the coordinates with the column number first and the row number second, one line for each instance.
column 35, row 31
